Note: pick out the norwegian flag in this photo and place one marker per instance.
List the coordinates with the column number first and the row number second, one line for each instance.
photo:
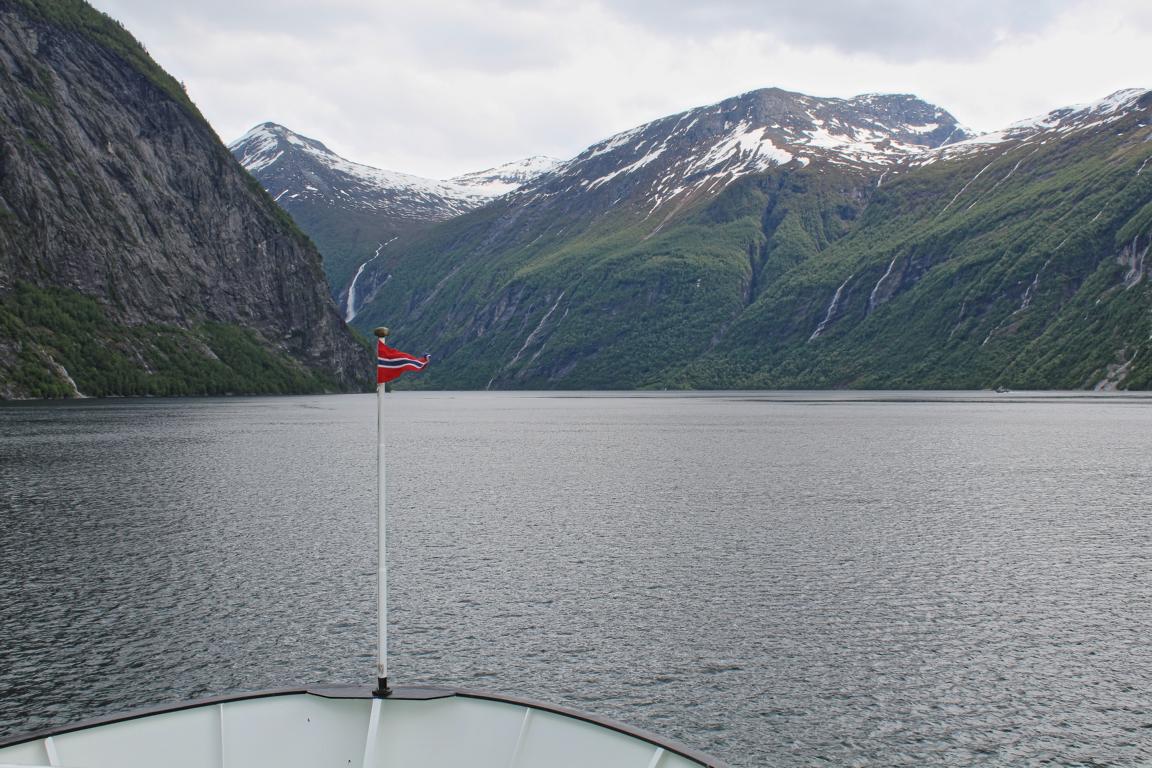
column 390, row 363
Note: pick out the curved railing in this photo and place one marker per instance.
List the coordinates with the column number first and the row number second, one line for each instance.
column 347, row 727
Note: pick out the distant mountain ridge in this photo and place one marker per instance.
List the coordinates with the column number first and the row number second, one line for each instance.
column 295, row 168
column 353, row 211
column 1054, row 124
column 507, row 177
column 779, row 239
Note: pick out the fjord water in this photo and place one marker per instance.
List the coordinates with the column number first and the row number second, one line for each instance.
column 791, row 579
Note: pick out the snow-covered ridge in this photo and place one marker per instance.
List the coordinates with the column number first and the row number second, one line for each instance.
column 294, row 167
column 668, row 161
column 703, row 150
column 1059, row 122
column 662, row 164
column 1112, row 105
column 505, row 178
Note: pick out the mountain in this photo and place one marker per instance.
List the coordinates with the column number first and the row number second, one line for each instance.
column 1015, row 258
column 354, row 211
column 136, row 256
column 595, row 246
column 669, row 164
column 508, row 177
column 783, row 240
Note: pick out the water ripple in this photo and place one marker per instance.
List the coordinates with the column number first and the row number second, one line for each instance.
column 786, row 580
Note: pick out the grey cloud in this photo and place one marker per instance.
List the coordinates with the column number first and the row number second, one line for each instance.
column 899, row 30
column 479, row 47
column 431, row 34
column 251, row 16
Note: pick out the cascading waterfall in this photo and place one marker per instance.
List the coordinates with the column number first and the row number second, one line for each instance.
column 880, row 282
column 1030, row 291
column 536, row 331
column 831, row 310
column 531, row 337
column 954, row 199
column 350, row 302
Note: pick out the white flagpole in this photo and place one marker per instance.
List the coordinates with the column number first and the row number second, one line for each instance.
column 382, row 688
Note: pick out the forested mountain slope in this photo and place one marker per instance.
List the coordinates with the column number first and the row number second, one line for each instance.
column 779, row 240
column 1016, row 259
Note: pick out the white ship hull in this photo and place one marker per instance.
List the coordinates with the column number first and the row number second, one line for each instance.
column 348, row 728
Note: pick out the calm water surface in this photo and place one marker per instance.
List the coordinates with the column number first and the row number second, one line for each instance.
column 782, row 580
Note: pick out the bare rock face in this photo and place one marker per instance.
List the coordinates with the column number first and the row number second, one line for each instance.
column 114, row 187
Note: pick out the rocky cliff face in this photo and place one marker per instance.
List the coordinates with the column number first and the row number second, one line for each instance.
column 113, row 187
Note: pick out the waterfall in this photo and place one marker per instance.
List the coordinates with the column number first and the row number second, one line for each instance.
column 350, row 302
column 831, row 310
column 964, row 188
column 1030, row 291
column 880, row 282
column 536, row 331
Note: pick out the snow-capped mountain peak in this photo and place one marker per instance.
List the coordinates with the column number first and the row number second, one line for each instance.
column 1058, row 123
column 295, row 168
column 703, row 150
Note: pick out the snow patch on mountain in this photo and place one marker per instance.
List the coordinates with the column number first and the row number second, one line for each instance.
column 612, row 143
column 506, row 178
column 749, row 147
column 648, row 158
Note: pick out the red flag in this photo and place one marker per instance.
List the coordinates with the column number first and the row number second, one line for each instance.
column 390, row 363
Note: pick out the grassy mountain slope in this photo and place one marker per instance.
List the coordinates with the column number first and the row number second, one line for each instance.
column 612, row 300
column 1015, row 260
column 1020, row 265
column 346, row 238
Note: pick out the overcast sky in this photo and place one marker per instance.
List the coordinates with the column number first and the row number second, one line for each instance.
column 442, row 87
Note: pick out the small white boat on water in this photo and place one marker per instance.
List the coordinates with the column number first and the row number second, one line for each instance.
column 351, row 727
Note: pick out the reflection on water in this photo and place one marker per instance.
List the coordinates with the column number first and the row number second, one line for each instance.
column 787, row 579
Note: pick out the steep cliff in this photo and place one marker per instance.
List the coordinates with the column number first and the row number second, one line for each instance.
column 136, row 255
